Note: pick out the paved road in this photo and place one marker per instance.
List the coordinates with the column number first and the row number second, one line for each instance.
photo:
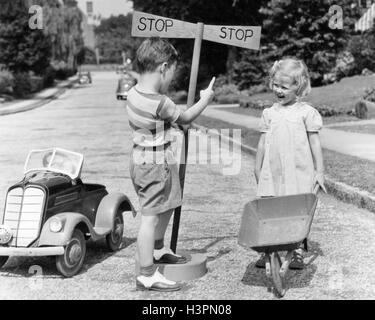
column 89, row 120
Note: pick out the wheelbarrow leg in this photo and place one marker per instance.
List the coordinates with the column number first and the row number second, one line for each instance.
column 275, row 270
column 268, row 265
column 285, row 265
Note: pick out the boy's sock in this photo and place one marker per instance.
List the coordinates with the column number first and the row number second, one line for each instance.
column 159, row 244
column 147, row 271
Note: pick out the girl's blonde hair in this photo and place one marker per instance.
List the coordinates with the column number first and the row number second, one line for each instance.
column 295, row 69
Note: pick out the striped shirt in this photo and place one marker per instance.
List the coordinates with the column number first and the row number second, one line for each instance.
column 150, row 117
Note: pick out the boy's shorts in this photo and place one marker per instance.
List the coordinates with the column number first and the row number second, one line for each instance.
column 156, row 183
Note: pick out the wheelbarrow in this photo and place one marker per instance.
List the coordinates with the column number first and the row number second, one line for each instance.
column 274, row 224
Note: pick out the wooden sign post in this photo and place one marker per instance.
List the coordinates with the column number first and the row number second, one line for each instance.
column 148, row 25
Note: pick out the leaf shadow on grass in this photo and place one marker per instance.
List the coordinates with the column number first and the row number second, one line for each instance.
column 294, row 278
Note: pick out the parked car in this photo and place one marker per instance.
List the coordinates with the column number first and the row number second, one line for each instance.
column 125, row 83
column 120, row 69
column 84, row 77
column 51, row 212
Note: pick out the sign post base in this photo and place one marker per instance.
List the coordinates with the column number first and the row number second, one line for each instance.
column 195, row 268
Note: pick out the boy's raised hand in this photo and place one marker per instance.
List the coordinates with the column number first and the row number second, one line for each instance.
column 209, row 92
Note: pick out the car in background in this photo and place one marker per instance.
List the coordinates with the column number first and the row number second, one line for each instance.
column 125, row 83
column 121, row 69
column 84, row 77
column 51, row 212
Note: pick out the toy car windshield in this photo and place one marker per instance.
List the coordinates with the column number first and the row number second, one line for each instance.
column 55, row 160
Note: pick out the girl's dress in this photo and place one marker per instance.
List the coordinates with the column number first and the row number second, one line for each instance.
column 288, row 166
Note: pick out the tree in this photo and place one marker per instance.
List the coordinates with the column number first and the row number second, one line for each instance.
column 114, row 37
column 22, row 49
column 301, row 29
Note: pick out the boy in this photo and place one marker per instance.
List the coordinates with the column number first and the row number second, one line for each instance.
column 153, row 169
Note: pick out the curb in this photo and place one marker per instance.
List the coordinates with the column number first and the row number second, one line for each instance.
column 339, row 190
column 41, row 102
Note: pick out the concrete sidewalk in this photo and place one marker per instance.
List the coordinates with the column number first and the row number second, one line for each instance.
column 355, row 144
column 39, row 99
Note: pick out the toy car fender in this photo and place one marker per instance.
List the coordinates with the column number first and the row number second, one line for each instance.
column 109, row 206
column 69, row 220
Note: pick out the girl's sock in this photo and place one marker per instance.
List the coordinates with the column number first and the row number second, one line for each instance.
column 159, row 244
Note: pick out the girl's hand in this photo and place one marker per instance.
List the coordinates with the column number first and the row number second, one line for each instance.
column 319, row 179
column 208, row 93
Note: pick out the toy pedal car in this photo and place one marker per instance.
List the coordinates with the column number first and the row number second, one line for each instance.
column 51, row 212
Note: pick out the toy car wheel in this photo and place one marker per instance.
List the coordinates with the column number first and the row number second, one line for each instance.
column 71, row 261
column 114, row 239
column 3, row 260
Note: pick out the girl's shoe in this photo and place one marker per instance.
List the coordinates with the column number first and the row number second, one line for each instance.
column 156, row 282
column 261, row 263
column 297, row 260
column 166, row 255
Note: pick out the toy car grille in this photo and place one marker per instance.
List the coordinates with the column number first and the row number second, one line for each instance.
column 23, row 213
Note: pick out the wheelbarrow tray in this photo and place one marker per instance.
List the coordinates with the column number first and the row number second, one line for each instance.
column 277, row 223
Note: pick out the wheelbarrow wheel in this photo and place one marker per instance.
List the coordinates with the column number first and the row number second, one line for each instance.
column 276, row 278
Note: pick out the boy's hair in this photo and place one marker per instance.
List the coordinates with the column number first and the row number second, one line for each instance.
column 295, row 69
column 153, row 52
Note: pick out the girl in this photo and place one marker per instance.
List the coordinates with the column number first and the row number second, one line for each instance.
column 289, row 157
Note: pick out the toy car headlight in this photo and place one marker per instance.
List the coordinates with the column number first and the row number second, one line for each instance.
column 5, row 234
column 55, row 225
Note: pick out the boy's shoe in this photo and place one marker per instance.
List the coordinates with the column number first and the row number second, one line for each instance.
column 156, row 282
column 261, row 263
column 166, row 256
column 297, row 260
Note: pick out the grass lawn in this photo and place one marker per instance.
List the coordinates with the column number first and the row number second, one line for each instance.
column 342, row 95
column 257, row 113
column 364, row 128
column 353, row 171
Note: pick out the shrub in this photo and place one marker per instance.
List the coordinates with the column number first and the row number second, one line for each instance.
column 22, row 84
column 328, row 111
column 179, row 96
column 221, row 80
column 362, row 47
column 247, row 102
column 36, row 83
column 369, row 95
column 226, row 93
column 361, row 110
column 6, row 82
column 226, row 89
column 49, row 77
column 227, row 99
column 62, row 72
column 344, row 67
